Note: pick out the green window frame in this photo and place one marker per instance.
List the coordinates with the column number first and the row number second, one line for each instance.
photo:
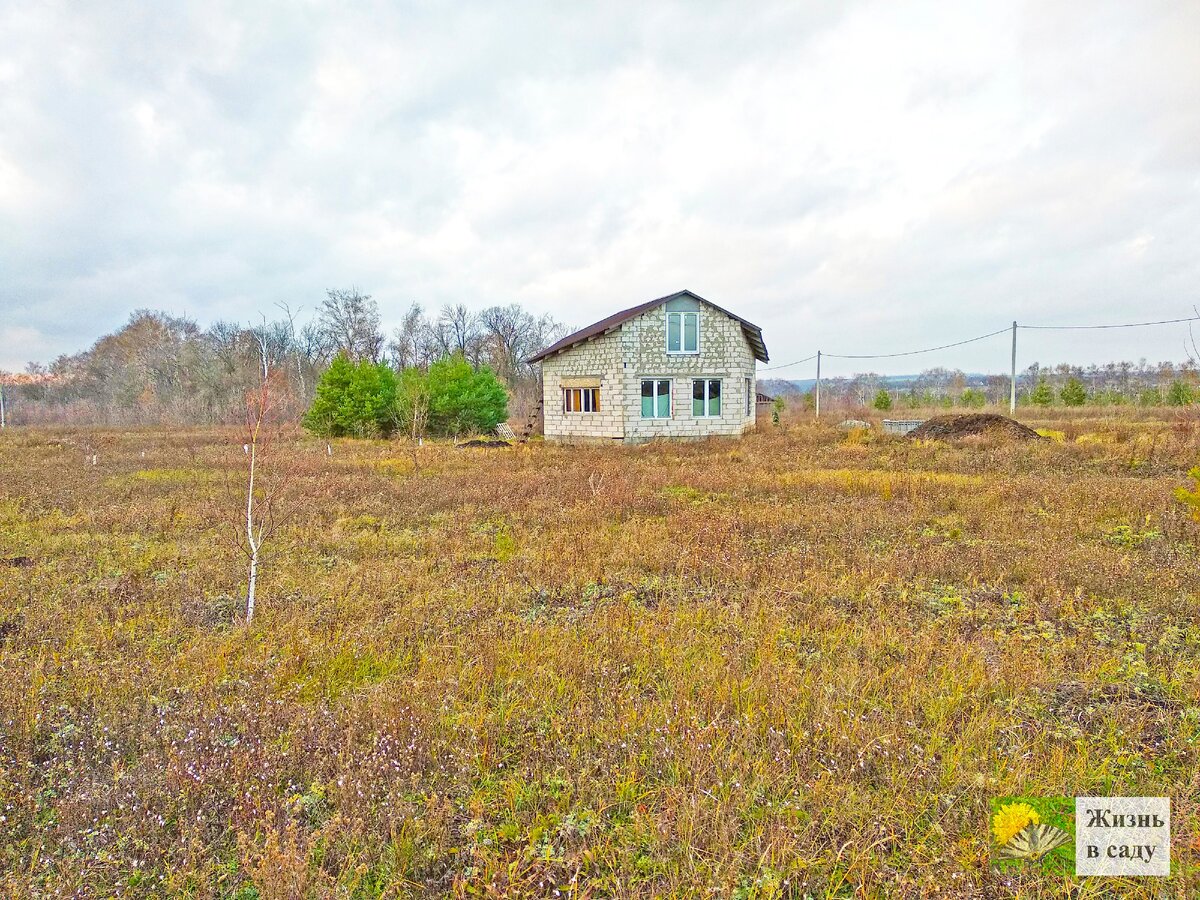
column 706, row 398
column 656, row 398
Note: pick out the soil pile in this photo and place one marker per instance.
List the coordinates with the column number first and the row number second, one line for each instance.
column 950, row 427
column 482, row 442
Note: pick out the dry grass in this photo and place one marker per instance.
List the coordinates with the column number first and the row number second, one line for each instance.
column 794, row 665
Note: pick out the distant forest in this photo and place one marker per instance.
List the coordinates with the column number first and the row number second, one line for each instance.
column 164, row 369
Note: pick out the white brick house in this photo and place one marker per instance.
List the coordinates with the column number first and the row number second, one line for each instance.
column 678, row 367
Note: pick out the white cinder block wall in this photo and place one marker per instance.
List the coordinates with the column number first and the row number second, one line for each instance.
column 636, row 350
column 598, row 357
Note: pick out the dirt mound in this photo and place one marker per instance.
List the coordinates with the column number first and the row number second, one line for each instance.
column 482, row 442
column 949, row 427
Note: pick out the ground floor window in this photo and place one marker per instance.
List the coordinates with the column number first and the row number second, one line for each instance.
column 706, row 397
column 581, row 399
column 749, row 397
column 656, row 398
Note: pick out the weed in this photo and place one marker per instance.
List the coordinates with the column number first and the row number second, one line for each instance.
column 1125, row 535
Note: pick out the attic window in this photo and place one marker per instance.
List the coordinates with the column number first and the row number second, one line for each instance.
column 683, row 332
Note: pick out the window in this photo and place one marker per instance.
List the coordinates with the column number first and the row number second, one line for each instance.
column 656, row 398
column 749, row 397
column 581, row 400
column 706, row 397
column 683, row 332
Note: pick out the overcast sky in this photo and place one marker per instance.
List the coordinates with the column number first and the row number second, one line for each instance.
column 854, row 177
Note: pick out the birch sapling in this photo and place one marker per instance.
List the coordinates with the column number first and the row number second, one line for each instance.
column 410, row 412
column 418, row 420
column 267, row 477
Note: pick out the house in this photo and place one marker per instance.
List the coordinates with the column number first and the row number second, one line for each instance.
column 763, row 403
column 678, row 367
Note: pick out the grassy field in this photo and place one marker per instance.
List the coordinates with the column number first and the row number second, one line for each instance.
column 800, row 664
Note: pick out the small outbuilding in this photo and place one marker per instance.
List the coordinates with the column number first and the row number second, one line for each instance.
column 675, row 367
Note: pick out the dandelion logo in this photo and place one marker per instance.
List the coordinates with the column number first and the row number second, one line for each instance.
column 1011, row 819
column 1033, row 831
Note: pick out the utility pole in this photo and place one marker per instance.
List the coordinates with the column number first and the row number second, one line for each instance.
column 1012, row 380
column 3, row 421
column 818, row 384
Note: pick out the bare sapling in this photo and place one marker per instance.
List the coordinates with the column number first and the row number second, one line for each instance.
column 295, row 346
column 253, row 539
column 267, row 474
column 419, row 418
column 412, row 413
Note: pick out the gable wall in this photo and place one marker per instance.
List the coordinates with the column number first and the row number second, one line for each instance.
column 724, row 353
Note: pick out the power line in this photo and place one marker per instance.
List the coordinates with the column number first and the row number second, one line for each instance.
column 1125, row 325
column 789, row 365
column 913, row 352
column 981, row 337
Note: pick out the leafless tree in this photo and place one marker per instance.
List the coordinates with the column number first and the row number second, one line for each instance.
column 413, row 341
column 262, row 340
column 863, row 386
column 458, row 331
column 267, row 475
column 294, row 347
column 266, row 472
column 511, row 335
column 941, row 382
column 349, row 320
column 505, row 335
column 997, row 388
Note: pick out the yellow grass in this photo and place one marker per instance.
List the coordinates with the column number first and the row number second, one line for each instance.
column 793, row 665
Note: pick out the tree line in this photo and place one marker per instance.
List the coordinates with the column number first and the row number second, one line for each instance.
column 1111, row 384
column 165, row 369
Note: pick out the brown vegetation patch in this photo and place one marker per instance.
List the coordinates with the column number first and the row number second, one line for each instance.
column 971, row 424
column 543, row 601
column 1148, row 715
column 210, row 612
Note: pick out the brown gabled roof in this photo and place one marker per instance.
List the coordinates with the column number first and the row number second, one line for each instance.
column 753, row 332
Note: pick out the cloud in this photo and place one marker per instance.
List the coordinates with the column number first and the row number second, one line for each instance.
column 854, row 177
